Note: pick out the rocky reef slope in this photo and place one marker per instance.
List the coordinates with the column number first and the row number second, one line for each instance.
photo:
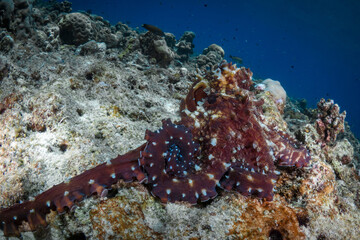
column 76, row 91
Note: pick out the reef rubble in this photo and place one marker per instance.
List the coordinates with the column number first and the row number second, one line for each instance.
column 71, row 100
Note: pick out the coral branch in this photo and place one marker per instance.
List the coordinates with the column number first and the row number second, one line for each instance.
column 330, row 121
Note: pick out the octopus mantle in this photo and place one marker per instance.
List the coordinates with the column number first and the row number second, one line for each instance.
column 221, row 141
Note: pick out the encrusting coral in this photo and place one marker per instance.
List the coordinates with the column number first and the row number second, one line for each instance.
column 76, row 28
column 330, row 121
column 210, row 57
column 185, row 46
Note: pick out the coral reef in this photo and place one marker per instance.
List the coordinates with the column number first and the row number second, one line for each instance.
column 277, row 92
column 210, row 57
column 163, row 52
column 185, row 46
column 48, row 39
column 79, row 28
column 4, row 67
column 330, row 121
column 63, row 113
column 170, row 40
column 6, row 42
column 91, row 47
column 16, row 17
column 76, row 28
column 156, row 47
column 7, row 9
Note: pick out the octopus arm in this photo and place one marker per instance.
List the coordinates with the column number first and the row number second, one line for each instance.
column 289, row 152
column 197, row 94
column 63, row 196
column 174, row 174
column 249, row 183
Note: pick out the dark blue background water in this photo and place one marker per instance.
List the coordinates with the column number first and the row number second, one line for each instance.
column 311, row 46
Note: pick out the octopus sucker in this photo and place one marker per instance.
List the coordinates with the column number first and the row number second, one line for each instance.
column 221, row 141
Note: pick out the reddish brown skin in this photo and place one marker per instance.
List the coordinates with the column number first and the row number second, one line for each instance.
column 220, row 142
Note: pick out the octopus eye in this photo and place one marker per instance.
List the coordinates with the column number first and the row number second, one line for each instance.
column 212, row 99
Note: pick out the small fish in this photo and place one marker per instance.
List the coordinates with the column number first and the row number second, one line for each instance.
column 153, row 29
column 236, row 59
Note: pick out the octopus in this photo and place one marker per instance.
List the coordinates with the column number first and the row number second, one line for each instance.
column 221, row 142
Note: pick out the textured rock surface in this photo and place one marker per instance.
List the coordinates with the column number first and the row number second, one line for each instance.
column 6, row 42
column 185, row 46
column 16, row 17
column 277, row 91
column 76, row 28
column 62, row 113
column 156, row 48
column 211, row 56
column 330, row 121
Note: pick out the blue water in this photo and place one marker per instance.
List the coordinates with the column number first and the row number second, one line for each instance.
column 311, row 46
